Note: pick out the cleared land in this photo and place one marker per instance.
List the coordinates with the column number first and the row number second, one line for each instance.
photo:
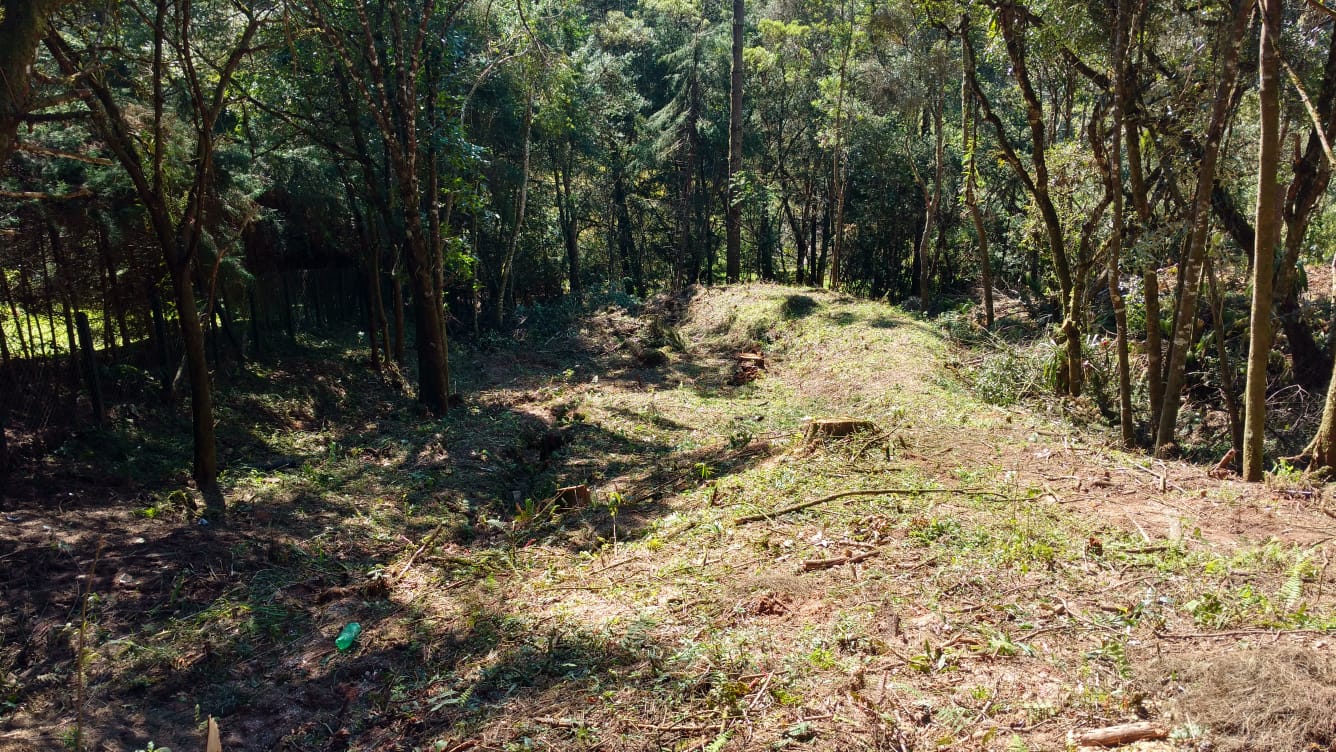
column 1013, row 582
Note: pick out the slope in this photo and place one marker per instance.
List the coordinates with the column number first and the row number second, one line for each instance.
column 1002, row 580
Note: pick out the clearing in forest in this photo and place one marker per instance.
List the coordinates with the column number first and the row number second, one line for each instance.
column 1003, row 580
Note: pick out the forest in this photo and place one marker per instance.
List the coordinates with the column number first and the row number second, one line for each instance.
column 667, row 374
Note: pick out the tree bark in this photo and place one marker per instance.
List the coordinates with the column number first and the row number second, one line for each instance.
column 733, row 260
column 22, row 26
column 835, row 224
column 570, row 232
column 1120, row 44
column 970, row 138
column 1154, row 347
column 1267, row 225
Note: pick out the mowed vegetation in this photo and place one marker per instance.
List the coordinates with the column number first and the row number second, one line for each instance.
column 1010, row 580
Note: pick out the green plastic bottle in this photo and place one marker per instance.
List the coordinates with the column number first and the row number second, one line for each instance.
column 348, row 636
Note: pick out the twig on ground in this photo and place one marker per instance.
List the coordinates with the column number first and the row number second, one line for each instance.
column 760, row 691
column 1142, row 550
column 560, row 722
column 1139, row 528
column 681, row 728
column 1125, row 583
column 811, row 564
column 745, row 519
column 426, row 543
column 1241, row 633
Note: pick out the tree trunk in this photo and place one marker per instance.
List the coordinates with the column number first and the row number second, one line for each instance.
column 733, row 262
column 88, row 359
column 22, row 25
column 8, row 294
column 1322, row 450
column 1037, row 185
column 970, row 142
column 569, row 231
column 1222, row 359
column 765, row 245
column 1185, row 311
column 1267, row 226
column 397, row 301
column 1115, row 173
column 197, row 369
column 508, row 263
column 1154, row 347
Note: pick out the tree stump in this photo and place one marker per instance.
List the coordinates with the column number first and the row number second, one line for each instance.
column 755, row 360
column 748, row 368
column 836, row 428
column 574, row 495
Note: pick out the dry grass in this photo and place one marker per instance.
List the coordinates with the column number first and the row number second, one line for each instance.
column 1257, row 699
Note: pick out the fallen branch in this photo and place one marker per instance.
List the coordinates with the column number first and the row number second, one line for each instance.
column 680, row 728
column 426, row 543
column 745, row 519
column 1126, row 733
column 813, row 564
column 1241, row 633
column 559, row 722
column 1142, row 550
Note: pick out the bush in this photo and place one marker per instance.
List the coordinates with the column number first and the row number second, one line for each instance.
column 1005, row 376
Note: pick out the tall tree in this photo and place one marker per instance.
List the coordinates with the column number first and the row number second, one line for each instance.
column 1114, row 175
column 1012, row 20
column 969, row 129
column 22, row 26
column 733, row 261
column 177, row 224
column 1194, row 256
column 1268, row 237
column 383, row 60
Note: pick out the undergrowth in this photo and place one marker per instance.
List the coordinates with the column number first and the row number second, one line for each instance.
column 1002, row 581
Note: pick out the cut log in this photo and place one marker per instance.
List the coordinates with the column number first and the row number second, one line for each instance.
column 1125, row 733
column 836, row 428
column 755, row 360
column 574, row 495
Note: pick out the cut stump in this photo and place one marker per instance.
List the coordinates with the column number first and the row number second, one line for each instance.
column 574, row 495
column 748, row 368
column 836, row 428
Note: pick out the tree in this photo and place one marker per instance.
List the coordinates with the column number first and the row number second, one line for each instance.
column 383, row 61
column 1114, row 177
column 177, row 226
column 1268, row 237
column 1194, row 255
column 734, row 255
column 22, row 26
column 969, row 129
column 1011, row 19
